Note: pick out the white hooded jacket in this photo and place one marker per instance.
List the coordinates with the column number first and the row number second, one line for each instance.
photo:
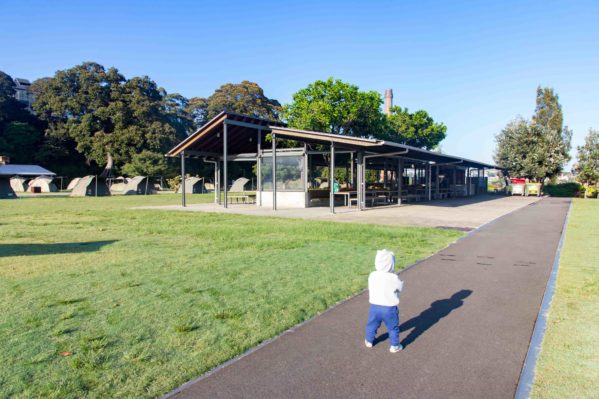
column 384, row 285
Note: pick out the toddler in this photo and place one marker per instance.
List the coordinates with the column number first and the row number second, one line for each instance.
column 384, row 287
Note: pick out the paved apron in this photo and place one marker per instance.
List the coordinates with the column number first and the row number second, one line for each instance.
column 467, row 317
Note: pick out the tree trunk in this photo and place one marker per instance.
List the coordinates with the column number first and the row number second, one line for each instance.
column 107, row 172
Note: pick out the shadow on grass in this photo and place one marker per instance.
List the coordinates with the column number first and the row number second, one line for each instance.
column 51, row 249
column 428, row 318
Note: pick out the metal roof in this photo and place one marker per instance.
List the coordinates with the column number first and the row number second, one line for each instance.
column 240, row 134
column 242, row 138
column 24, row 170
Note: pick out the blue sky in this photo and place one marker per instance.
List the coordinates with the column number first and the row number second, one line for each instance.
column 472, row 65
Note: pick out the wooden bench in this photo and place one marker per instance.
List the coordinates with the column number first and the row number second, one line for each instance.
column 244, row 199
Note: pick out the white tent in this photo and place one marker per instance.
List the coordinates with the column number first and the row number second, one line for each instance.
column 87, row 187
column 73, row 183
column 18, row 184
column 137, row 186
column 42, row 184
column 193, row 185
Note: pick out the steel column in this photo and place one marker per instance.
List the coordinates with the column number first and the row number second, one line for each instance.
column 274, row 172
column 225, row 154
column 437, row 194
column 429, row 182
column 468, row 182
column 362, row 180
column 183, row 202
column 351, row 169
column 259, row 170
column 399, row 180
column 332, row 179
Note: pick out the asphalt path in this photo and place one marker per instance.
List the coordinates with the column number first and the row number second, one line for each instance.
column 467, row 316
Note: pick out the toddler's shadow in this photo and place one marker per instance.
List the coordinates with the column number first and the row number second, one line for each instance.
column 429, row 317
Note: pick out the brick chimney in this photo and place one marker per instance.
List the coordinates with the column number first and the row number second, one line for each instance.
column 388, row 101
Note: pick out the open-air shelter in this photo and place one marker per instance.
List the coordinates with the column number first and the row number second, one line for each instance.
column 367, row 172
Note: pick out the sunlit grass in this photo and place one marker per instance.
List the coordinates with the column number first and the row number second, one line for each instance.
column 98, row 300
column 568, row 365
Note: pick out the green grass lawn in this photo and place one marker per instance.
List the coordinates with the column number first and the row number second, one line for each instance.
column 568, row 365
column 100, row 301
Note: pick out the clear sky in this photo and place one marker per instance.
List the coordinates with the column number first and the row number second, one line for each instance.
column 473, row 65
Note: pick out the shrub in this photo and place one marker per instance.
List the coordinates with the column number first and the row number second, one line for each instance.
column 591, row 192
column 174, row 183
column 563, row 190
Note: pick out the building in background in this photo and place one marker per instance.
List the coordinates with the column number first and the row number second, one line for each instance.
column 23, row 92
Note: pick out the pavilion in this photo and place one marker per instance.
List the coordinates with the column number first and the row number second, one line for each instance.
column 368, row 172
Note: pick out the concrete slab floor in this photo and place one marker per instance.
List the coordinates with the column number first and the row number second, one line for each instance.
column 461, row 213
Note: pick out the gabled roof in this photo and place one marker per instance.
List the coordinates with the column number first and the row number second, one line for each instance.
column 24, row 170
column 242, row 136
column 209, row 136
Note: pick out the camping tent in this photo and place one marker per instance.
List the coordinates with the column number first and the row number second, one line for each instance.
column 117, row 185
column 18, row 184
column 193, row 185
column 6, row 190
column 42, row 184
column 73, row 183
column 138, row 185
column 87, row 187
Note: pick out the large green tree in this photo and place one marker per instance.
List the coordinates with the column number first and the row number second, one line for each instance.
column 334, row 106
column 417, row 129
column 108, row 118
column 539, row 148
column 244, row 98
column 20, row 131
column 587, row 165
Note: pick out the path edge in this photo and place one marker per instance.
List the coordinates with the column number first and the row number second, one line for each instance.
column 207, row 374
column 527, row 376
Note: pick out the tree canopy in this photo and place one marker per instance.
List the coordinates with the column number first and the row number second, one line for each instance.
column 109, row 118
column 244, row 98
column 20, row 131
column 587, row 165
column 417, row 129
column 334, row 106
column 538, row 148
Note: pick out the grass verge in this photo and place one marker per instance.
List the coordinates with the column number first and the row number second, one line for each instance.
column 568, row 365
column 97, row 300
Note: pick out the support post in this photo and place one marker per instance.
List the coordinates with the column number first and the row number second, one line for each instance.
column 332, row 179
column 217, row 182
column 429, row 182
column 259, row 170
column 225, row 154
column 437, row 194
column 183, row 202
column 351, row 169
column 306, row 176
column 468, row 182
column 362, row 180
column 399, row 180
column 274, row 172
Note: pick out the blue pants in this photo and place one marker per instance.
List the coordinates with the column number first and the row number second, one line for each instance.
column 378, row 314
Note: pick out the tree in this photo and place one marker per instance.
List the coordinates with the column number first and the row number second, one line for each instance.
column 333, row 106
column 244, row 98
column 416, row 129
column 587, row 167
column 146, row 163
column 548, row 111
column 19, row 140
column 108, row 118
column 536, row 149
column 20, row 131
